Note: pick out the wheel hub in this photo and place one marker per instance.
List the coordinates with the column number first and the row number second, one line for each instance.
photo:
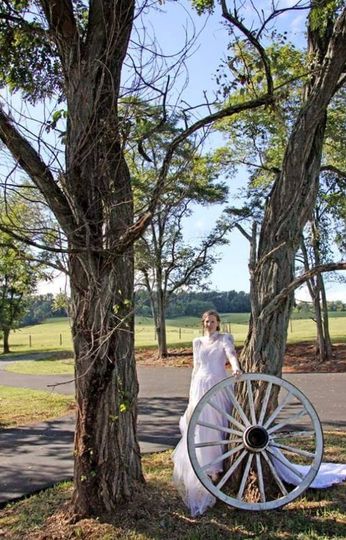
column 256, row 438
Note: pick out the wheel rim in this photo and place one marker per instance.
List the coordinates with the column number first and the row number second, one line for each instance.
column 266, row 445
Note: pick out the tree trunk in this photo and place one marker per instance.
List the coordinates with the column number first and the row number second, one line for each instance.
column 6, row 344
column 107, row 456
column 286, row 213
column 320, row 343
column 161, row 324
column 325, row 317
column 325, row 346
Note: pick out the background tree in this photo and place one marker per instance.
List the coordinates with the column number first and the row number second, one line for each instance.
column 316, row 248
column 165, row 262
column 20, row 269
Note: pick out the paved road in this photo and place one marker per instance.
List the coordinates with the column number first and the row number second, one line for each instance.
column 32, row 457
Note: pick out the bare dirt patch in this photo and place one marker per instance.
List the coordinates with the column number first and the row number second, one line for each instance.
column 299, row 358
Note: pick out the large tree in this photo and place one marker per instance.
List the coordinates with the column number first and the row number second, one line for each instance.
column 293, row 195
column 257, row 141
column 74, row 52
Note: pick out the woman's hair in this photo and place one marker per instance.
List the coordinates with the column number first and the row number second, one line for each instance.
column 214, row 313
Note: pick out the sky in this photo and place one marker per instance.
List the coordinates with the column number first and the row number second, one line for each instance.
column 169, row 24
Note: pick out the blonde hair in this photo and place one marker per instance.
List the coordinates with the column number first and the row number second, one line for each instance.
column 211, row 312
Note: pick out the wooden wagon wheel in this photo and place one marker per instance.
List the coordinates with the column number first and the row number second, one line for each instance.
column 279, row 446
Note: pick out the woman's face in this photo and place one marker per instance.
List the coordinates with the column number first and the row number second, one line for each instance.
column 210, row 323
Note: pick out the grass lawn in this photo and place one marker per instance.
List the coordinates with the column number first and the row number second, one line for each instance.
column 19, row 406
column 157, row 512
column 50, row 366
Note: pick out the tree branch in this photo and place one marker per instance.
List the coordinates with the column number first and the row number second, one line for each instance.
column 333, row 169
column 281, row 297
column 37, row 170
column 253, row 40
column 243, row 231
column 62, row 23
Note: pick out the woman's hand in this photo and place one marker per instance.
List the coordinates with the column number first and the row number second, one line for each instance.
column 237, row 373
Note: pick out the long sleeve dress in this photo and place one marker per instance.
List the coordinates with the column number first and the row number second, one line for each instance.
column 210, row 354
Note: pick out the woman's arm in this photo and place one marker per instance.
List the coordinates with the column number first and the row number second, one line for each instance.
column 231, row 354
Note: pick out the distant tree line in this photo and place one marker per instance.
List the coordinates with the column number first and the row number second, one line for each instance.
column 44, row 306
column 195, row 303
column 335, row 305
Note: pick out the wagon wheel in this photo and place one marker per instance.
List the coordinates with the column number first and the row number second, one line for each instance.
column 278, row 446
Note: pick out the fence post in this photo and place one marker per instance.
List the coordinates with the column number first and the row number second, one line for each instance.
column 60, row 341
column 179, row 333
column 30, row 340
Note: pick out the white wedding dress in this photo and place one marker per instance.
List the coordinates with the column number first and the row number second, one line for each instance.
column 210, row 354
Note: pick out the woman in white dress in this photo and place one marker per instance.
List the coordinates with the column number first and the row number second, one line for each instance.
column 210, row 355
column 211, row 352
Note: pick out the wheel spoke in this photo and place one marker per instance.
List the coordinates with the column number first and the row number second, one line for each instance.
column 223, row 457
column 265, row 404
column 286, row 463
column 274, row 473
column 251, row 403
column 215, row 443
column 278, row 410
column 245, row 476
column 301, row 413
column 220, row 428
column 260, row 477
column 292, row 449
column 226, row 415
column 238, row 407
column 231, row 469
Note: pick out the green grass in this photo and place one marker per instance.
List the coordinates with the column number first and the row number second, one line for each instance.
column 156, row 511
column 55, row 334
column 19, row 406
column 43, row 367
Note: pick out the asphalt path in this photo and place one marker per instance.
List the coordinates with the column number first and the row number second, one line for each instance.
column 36, row 456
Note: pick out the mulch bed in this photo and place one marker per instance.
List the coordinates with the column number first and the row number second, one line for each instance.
column 299, row 358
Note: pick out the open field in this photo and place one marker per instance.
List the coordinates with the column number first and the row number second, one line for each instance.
column 55, row 334
column 157, row 512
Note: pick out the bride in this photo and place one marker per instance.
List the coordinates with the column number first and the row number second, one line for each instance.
column 210, row 354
